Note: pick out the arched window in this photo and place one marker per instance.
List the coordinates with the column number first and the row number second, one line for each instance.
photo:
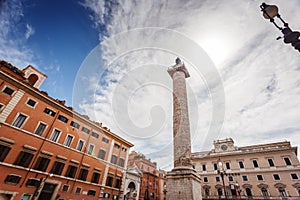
column 265, row 193
column 282, row 191
column 32, row 79
column 206, row 192
column 248, row 192
column 298, row 189
column 220, row 193
column 131, row 186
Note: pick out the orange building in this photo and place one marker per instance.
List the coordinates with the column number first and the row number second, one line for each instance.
column 151, row 185
column 49, row 151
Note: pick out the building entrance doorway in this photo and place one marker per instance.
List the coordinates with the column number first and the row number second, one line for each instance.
column 47, row 191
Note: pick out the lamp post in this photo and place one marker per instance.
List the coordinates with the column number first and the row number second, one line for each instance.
column 222, row 172
column 289, row 36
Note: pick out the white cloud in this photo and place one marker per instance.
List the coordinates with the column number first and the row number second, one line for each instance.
column 260, row 75
column 29, row 31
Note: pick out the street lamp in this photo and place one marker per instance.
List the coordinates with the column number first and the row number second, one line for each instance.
column 222, row 172
column 289, row 36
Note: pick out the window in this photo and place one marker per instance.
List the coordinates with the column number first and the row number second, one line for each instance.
column 83, row 174
column 19, row 121
column 215, row 166
column 31, row 102
column 68, row 140
column 74, row 124
column 32, row 182
column 118, row 183
column 101, row 154
column 8, row 91
column 227, row 165
column 78, row 190
column 42, row 164
column 294, row 176
column 1, row 106
column 50, row 112
column 71, row 171
column 65, row 188
column 230, row 178
column 24, row 159
column 217, row 179
column 105, row 140
column 271, row 163
column 109, row 181
column 117, row 146
column 91, row 193
column 114, row 159
column 12, row 179
column 276, row 177
column 121, row 162
column 255, row 163
column 203, row 167
column 95, row 135
column 55, row 135
column 85, row 130
column 95, row 177
column 124, row 149
column 260, row 177
column 205, row 179
column 57, row 168
column 287, row 161
column 4, row 150
column 80, row 145
column 63, row 118
column 245, row 178
column 40, row 129
column 241, row 164
column 91, row 149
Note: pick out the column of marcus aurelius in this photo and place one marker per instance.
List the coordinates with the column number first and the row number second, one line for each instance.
column 183, row 183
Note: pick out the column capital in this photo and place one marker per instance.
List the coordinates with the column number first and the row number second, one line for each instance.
column 178, row 67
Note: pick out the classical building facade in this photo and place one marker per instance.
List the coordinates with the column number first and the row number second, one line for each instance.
column 259, row 171
column 49, row 151
column 152, row 181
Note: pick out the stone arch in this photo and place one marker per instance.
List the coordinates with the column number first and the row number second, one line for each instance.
column 247, row 186
column 262, row 185
column 131, row 186
column 32, row 79
column 280, row 185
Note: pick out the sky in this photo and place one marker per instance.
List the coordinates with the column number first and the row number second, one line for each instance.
column 109, row 60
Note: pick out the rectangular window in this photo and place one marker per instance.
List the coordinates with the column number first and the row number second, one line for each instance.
column 121, row 162
column 118, row 183
column 32, row 182
column 260, row 177
column 91, row 193
column 24, row 159
column 65, row 188
column 19, row 121
column 63, row 118
column 215, row 166
column 114, row 159
column 71, row 171
column 287, row 161
column 227, row 165
column 230, row 178
column 271, row 163
column 80, row 145
column 117, row 146
column 294, row 176
column 241, row 164
column 203, row 167
column 85, row 130
column 83, row 174
column 68, row 140
column 255, row 163
column 78, row 190
column 95, row 177
column 4, row 150
column 101, row 154
column 75, row 125
column 205, row 179
column 31, row 102
column 8, row 91
column 55, row 135
column 42, row 164
column 217, row 179
column 245, row 178
column 40, row 129
column 57, row 168
column 12, row 179
column 276, row 177
column 109, row 181
column 50, row 112
column 105, row 140
column 91, row 149
column 95, row 135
